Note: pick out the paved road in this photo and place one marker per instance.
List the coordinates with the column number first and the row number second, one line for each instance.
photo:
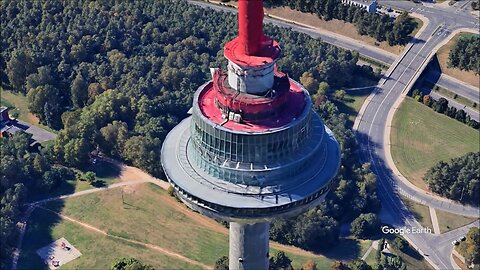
column 371, row 134
column 474, row 114
column 372, row 127
column 452, row 84
column 331, row 38
column 38, row 134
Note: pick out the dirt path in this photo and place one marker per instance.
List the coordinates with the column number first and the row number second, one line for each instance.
column 131, row 177
column 150, row 246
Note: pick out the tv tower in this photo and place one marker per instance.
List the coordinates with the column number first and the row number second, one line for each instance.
column 253, row 149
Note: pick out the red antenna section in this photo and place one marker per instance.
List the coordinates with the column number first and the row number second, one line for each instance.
column 250, row 26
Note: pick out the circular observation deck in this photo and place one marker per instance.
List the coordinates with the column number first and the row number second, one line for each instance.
column 256, row 169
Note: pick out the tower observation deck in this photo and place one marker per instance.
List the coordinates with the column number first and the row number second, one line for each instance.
column 253, row 149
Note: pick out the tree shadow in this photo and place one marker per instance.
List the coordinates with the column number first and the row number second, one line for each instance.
column 386, row 184
column 99, row 183
column 345, row 250
column 104, row 169
column 38, row 234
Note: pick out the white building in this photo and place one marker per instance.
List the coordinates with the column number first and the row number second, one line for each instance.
column 369, row 5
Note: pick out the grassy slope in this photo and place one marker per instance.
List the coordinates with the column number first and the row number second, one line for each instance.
column 98, row 251
column 150, row 215
column 336, row 26
column 353, row 102
column 448, row 221
column 465, row 76
column 421, row 137
column 420, row 212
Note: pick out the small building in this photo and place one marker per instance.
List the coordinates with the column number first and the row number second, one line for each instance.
column 369, row 5
column 4, row 116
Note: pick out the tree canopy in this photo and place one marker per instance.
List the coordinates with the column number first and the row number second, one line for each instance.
column 457, row 179
column 465, row 54
column 381, row 27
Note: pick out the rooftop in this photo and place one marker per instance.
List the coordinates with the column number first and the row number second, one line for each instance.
column 292, row 108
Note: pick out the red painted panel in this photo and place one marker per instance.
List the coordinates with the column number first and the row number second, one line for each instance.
column 250, row 26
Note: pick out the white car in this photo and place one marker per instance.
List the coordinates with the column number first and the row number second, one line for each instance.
column 455, row 242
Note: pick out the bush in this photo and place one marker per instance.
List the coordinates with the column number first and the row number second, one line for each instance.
column 400, row 244
column 90, row 177
column 221, row 263
column 365, row 225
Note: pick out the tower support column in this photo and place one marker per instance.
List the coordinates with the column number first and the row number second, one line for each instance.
column 249, row 246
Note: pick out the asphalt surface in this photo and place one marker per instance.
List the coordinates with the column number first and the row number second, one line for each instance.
column 474, row 114
column 38, row 134
column 436, row 249
column 340, row 41
column 459, row 88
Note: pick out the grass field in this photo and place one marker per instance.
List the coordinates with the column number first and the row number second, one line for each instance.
column 420, row 212
column 442, row 55
column 448, row 221
column 412, row 259
column 421, row 137
column 352, row 103
column 106, row 173
column 149, row 215
column 98, row 251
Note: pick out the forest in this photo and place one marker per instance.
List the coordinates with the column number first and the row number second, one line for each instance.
column 23, row 174
column 456, row 179
column 381, row 27
column 465, row 55
column 116, row 76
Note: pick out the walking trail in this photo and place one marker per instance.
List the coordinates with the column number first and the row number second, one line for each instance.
column 131, row 177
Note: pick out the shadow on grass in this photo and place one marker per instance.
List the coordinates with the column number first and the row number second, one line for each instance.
column 105, row 170
column 99, row 183
column 346, row 249
column 65, row 187
column 37, row 235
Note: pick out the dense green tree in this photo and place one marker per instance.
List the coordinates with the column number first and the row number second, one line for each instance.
column 18, row 68
column 22, row 174
column 90, row 177
column 129, row 264
column 359, row 264
column 221, row 263
column 365, row 225
column 399, row 243
column 79, row 91
column 457, row 178
column 471, row 246
column 114, row 136
column 280, row 261
column 464, row 54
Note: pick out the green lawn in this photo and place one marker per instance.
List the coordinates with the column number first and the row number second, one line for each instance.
column 148, row 214
column 352, row 103
column 411, row 257
column 107, row 174
column 448, row 221
column 98, row 251
column 420, row 212
column 422, row 137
